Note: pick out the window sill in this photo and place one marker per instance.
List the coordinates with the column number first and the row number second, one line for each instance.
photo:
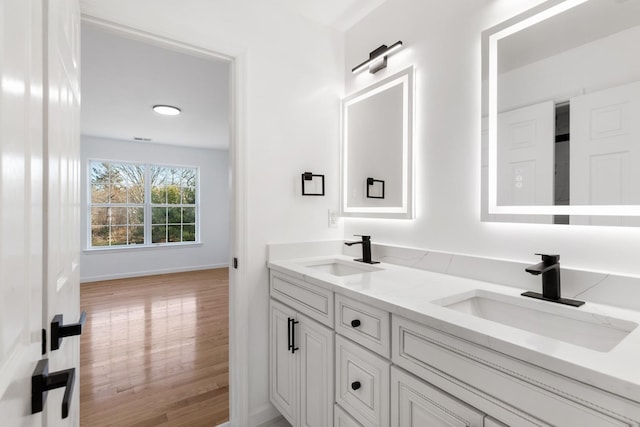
column 109, row 249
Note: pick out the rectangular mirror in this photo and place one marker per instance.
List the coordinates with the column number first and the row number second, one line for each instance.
column 377, row 133
column 561, row 115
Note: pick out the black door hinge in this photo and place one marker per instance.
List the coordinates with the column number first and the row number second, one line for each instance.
column 235, row 263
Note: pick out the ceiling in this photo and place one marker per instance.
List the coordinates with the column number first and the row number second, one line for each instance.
column 340, row 14
column 577, row 26
column 122, row 78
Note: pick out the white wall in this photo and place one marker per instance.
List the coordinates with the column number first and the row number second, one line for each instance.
column 442, row 40
column 293, row 84
column 562, row 76
column 214, row 212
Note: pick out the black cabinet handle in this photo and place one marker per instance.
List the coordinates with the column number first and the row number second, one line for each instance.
column 42, row 381
column 355, row 385
column 293, row 336
column 59, row 331
column 355, row 323
column 290, row 346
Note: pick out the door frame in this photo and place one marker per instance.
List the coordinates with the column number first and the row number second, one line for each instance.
column 238, row 295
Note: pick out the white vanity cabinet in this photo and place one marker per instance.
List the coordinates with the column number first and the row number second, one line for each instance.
column 301, row 364
column 344, row 361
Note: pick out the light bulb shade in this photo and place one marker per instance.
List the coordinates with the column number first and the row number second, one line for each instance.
column 166, row 110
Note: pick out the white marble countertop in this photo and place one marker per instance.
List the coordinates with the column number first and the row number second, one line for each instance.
column 419, row 295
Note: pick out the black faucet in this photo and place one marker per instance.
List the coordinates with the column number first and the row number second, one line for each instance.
column 366, row 249
column 550, row 270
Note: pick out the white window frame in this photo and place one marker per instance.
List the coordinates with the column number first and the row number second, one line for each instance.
column 147, row 206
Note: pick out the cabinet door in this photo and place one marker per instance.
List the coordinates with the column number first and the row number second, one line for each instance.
column 283, row 383
column 315, row 356
column 415, row 403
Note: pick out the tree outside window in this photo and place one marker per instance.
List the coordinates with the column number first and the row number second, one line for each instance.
column 134, row 204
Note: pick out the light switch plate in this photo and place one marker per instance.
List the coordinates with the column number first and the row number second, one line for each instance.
column 333, row 219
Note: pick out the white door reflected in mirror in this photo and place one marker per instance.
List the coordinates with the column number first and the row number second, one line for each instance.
column 579, row 56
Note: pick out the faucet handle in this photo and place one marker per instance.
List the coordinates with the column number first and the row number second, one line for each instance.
column 549, row 259
column 364, row 237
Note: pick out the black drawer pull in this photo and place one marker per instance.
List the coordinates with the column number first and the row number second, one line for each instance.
column 355, row 385
column 294, row 322
column 59, row 331
column 355, row 323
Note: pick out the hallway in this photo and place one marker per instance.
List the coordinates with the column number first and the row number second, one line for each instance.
column 155, row 351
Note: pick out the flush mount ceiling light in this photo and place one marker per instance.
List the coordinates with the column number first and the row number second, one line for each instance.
column 378, row 58
column 166, row 110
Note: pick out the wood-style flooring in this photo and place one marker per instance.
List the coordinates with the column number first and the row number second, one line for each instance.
column 154, row 351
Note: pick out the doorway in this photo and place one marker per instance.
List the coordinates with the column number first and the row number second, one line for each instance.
column 102, row 263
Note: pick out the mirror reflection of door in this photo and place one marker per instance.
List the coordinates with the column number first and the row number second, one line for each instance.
column 605, row 152
column 526, row 159
column 584, row 54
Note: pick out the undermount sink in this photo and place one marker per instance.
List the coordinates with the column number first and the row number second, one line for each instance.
column 339, row 267
column 572, row 325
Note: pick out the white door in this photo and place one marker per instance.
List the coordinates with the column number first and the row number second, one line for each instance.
column 605, row 152
column 526, row 159
column 20, row 208
column 62, row 184
column 282, row 370
column 39, row 221
column 316, row 373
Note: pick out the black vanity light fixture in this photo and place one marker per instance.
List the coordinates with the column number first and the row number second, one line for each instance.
column 167, row 110
column 375, row 188
column 312, row 185
column 378, row 58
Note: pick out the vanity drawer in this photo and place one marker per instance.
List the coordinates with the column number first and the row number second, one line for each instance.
column 501, row 386
column 368, row 326
column 310, row 300
column 342, row 419
column 362, row 383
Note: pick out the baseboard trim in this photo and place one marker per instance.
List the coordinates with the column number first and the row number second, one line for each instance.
column 263, row 415
column 130, row 274
column 227, row 424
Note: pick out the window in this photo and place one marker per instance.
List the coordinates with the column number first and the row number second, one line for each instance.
column 134, row 204
column 173, row 204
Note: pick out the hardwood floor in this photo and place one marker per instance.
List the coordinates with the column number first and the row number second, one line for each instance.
column 154, row 351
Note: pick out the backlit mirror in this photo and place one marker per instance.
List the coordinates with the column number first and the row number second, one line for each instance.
column 377, row 173
column 561, row 115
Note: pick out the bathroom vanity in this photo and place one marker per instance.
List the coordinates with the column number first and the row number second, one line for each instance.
column 357, row 345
